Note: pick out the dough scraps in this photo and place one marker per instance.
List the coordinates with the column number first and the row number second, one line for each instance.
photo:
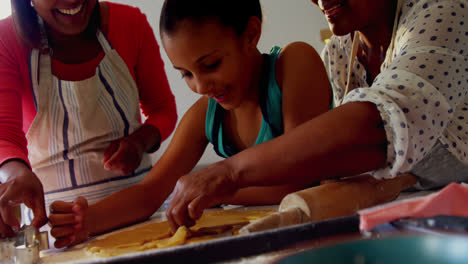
column 158, row 235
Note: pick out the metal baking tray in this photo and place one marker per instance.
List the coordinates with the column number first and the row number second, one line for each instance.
column 234, row 247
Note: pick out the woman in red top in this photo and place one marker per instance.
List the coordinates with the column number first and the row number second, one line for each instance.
column 74, row 76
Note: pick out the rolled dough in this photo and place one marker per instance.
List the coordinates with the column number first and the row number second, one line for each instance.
column 158, row 235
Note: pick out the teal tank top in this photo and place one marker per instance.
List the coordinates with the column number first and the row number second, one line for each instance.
column 270, row 104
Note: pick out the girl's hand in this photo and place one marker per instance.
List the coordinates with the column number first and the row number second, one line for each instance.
column 123, row 156
column 18, row 184
column 199, row 190
column 69, row 222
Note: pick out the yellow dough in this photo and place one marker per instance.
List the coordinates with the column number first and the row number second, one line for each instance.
column 158, row 235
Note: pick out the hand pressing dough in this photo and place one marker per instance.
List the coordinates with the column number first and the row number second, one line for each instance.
column 158, row 235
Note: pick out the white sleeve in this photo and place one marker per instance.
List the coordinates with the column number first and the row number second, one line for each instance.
column 426, row 81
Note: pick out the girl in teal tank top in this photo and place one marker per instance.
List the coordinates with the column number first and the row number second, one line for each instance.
column 270, row 105
column 247, row 98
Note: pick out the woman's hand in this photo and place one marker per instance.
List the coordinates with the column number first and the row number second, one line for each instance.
column 123, row 156
column 199, row 190
column 69, row 222
column 18, row 184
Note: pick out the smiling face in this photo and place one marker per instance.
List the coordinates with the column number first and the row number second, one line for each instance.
column 213, row 59
column 65, row 17
column 346, row 16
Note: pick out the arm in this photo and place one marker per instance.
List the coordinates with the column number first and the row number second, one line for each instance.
column 422, row 94
column 13, row 143
column 318, row 149
column 306, row 93
column 140, row 200
column 345, row 141
column 156, row 99
column 18, row 184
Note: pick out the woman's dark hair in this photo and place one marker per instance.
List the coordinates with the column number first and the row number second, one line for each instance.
column 230, row 13
column 27, row 25
column 26, row 22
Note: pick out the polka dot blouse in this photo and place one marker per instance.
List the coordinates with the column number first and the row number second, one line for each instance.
column 422, row 93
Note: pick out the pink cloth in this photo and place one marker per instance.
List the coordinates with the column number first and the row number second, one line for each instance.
column 128, row 32
column 452, row 200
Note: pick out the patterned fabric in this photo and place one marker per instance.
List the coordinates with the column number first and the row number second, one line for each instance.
column 74, row 124
column 422, row 93
column 271, row 105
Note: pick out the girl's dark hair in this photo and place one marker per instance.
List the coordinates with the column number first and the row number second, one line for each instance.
column 27, row 25
column 230, row 13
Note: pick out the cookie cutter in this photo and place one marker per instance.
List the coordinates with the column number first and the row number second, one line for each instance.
column 24, row 248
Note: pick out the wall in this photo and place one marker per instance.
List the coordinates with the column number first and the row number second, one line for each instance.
column 285, row 21
column 5, row 9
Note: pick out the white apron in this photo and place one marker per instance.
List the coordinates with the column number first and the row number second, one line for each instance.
column 76, row 121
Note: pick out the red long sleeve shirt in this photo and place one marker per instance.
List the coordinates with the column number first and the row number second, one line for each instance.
column 133, row 38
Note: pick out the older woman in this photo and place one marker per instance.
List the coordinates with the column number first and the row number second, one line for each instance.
column 399, row 73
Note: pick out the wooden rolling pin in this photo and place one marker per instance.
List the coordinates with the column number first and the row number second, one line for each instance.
column 331, row 200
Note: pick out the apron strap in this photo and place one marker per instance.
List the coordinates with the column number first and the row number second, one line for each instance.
column 106, row 46
column 34, row 74
column 355, row 46
column 34, row 67
column 352, row 59
column 39, row 65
